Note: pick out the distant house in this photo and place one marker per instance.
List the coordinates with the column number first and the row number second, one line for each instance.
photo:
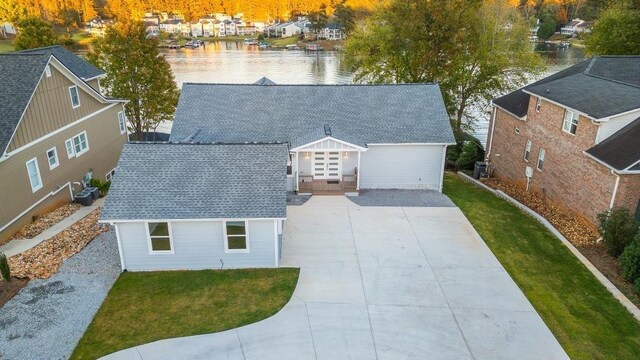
column 575, row 27
column 332, row 32
column 224, row 175
column 172, row 26
column 56, row 130
column 573, row 137
column 98, row 26
column 153, row 28
column 7, row 29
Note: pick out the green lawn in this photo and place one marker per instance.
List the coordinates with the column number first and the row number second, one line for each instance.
column 581, row 313
column 5, row 45
column 291, row 40
column 149, row 306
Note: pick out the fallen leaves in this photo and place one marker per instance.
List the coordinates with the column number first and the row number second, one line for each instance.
column 44, row 222
column 576, row 230
column 43, row 260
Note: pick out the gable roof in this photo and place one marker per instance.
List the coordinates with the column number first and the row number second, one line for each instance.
column 599, row 87
column 372, row 114
column 79, row 66
column 620, row 150
column 165, row 181
column 264, row 81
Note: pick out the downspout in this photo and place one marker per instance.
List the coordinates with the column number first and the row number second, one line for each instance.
column 493, row 126
column 444, row 159
column 615, row 190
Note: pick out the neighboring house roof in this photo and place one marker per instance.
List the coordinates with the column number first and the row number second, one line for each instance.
column 79, row 66
column 164, row 181
column 19, row 74
column 264, row 81
column 620, row 150
column 410, row 113
column 599, row 87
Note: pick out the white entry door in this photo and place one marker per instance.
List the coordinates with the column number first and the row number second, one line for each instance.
column 326, row 165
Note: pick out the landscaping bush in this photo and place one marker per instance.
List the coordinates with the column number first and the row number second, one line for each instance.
column 637, row 286
column 618, row 228
column 103, row 187
column 5, row 271
column 630, row 261
column 468, row 156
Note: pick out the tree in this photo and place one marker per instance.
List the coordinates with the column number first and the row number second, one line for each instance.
column 473, row 49
column 616, row 32
column 618, row 228
column 35, row 33
column 547, row 27
column 319, row 19
column 343, row 15
column 138, row 73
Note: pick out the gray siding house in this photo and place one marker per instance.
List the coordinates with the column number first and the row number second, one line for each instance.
column 214, row 195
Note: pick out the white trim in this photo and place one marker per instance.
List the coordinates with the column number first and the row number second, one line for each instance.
column 527, row 149
column 74, row 106
column 632, row 165
column 57, row 131
column 57, row 163
column 122, row 123
column 538, row 104
column 68, row 145
column 275, row 233
column 358, row 175
column 444, row 159
column 117, row 230
column 40, row 185
column 47, row 71
column 226, row 238
column 560, row 105
column 564, row 122
column 86, row 141
column 68, row 184
column 493, row 127
column 305, row 146
column 110, row 174
column 542, row 152
column 615, row 190
column 608, row 118
column 150, row 247
column 114, row 221
column 412, row 144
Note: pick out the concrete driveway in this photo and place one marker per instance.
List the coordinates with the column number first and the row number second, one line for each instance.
column 382, row 283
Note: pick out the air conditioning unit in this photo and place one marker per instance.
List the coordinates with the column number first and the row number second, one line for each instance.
column 528, row 172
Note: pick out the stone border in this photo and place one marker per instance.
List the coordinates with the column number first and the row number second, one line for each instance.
column 603, row 279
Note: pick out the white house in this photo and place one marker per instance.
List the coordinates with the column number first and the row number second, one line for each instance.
column 332, row 32
column 576, row 26
column 172, row 26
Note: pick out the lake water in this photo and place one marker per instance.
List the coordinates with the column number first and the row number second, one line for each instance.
column 237, row 63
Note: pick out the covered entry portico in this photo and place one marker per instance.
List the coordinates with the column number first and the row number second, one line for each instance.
column 327, row 165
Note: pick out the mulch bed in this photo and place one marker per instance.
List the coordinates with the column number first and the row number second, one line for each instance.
column 44, row 222
column 9, row 289
column 43, row 260
column 582, row 235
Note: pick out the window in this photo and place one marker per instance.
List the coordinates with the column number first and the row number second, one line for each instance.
column 80, row 144
column 110, row 175
column 34, row 175
column 570, row 123
column 122, row 123
column 75, row 97
column 69, row 145
column 160, row 238
column 236, row 236
column 290, row 165
column 540, row 159
column 47, row 71
column 52, row 156
column 527, row 151
column 538, row 104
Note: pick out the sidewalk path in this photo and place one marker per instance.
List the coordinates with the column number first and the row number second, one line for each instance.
column 15, row 247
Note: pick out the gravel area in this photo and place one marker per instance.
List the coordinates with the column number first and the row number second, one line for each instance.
column 48, row 317
column 409, row 198
column 296, row 200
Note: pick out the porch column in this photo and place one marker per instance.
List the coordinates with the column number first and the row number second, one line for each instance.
column 296, row 170
column 359, row 171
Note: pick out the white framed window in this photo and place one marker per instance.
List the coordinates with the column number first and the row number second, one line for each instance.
column 34, row 174
column 159, row 238
column 236, row 236
column 80, row 143
column 110, row 175
column 570, row 123
column 527, row 151
column 75, row 96
column 541, row 154
column 47, row 71
column 52, row 158
column 69, row 145
column 122, row 123
column 538, row 104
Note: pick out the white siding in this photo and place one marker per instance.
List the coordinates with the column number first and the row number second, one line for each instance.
column 608, row 128
column 304, row 164
column 291, row 182
column 349, row 163
column 197, row 245
column 401, row 167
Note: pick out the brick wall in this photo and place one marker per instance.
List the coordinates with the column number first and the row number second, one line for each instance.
column 568, row 178
column 628, row 194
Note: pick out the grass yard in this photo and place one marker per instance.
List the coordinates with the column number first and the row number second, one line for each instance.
column 281, row 42
column 587, row 320
column 148, row 306
column 5, row 45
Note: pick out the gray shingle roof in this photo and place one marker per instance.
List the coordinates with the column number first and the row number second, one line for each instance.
column 599, row 87
column 411, row 113
column 79, row 66
column 621, row 149
column 19, row 76
column 183, row 181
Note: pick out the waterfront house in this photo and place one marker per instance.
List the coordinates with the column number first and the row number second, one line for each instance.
column 332, row 32
column 98, row 26
column 172, row 26
column 573, row 137
column 215, row 195
column 56, row 130
column 575, row 27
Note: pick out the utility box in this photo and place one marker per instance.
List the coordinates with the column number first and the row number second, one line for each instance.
column 85, row 198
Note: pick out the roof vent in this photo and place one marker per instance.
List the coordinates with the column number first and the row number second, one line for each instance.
column 327, row 130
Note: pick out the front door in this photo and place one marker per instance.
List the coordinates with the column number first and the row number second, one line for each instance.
column 326, row 165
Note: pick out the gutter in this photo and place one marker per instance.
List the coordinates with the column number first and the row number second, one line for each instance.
column 493, row 127
column 615, row 190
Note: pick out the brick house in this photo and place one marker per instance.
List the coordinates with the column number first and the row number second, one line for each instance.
column 573, row 137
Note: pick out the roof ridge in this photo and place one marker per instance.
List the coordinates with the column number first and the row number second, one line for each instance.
column 217, row 143
column 34, row 50
column 587, row 71
column 312, row 85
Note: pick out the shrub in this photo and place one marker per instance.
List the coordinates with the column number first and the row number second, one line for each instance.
column 468, row 156
column 5, row 271
column 618, row 228
column 103, row 187
column 636, row 287
column 630, row 260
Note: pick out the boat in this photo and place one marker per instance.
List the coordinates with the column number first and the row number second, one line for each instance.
column 293, row 47
column 263, row 45
column 251, row 42
column 313, row 47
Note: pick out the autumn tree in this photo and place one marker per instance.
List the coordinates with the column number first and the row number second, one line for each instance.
column 616, row 32
column 344, row 15
column 319, row 18
column 475, row 50
column 34, row 33
column 138, row 73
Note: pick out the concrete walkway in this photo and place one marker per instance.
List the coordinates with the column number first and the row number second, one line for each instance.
column 15, row 247
column 382, row 283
